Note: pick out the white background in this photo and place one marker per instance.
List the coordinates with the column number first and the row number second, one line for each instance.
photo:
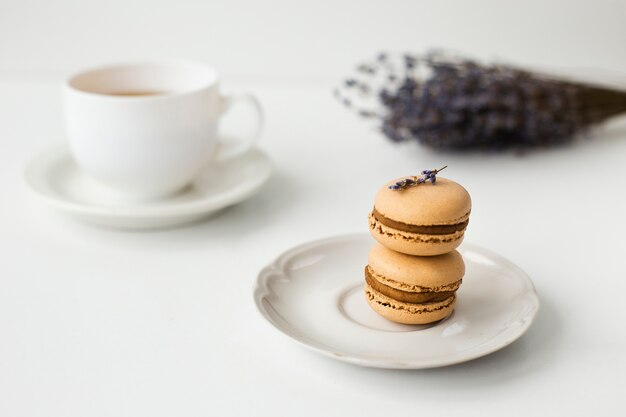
column 96, row 322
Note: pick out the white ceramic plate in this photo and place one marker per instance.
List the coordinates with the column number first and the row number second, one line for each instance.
column 314, row 294
column 55, row 179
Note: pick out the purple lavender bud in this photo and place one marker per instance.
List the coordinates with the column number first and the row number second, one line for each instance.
column 433, row 179
column 421, row 180
column 367, row 113
column 366, row 69
column 409, row 62
column 426, row 172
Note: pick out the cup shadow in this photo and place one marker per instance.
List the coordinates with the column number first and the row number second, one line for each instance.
column 261, row 210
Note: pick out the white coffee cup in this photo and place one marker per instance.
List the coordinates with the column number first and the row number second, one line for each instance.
column 147, row 130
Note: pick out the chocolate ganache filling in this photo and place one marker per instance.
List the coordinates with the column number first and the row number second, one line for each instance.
column 444, row 229
column 405, row 296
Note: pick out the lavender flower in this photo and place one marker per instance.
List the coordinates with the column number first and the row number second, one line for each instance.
column 427, row 175
column 447, row 102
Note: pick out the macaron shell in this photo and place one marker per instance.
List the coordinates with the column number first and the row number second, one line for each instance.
column 416, row 273
column 407, row 313
column 414, row 243
column 443, row 203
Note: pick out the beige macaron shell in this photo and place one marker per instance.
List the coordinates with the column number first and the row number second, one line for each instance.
column 442, row 203
column 405, row 271
column 407, row 313
column 414, row 243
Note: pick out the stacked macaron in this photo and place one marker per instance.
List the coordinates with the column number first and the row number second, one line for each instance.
column 414, row 271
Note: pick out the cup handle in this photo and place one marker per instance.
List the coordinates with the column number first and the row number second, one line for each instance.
column 231, row 148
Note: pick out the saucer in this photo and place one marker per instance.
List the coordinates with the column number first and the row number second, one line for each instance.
column 314, row 294
column 55, row 179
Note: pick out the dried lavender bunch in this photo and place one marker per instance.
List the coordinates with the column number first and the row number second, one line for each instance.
column 427, row 175
column 457, row 103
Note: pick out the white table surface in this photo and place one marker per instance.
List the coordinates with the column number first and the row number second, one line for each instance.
column 97, row 322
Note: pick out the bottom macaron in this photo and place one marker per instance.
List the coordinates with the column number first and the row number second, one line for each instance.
column 408, row 313
column 412, row 289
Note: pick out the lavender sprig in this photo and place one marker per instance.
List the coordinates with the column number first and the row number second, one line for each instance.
column 427, row 175
column 450, row 102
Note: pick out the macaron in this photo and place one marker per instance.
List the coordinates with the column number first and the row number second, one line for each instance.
column 425, row 220
column 412, row 289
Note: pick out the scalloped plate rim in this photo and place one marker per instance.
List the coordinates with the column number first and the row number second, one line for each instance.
column 276, row 267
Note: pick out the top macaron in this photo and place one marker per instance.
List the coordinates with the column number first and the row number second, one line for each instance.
column 425, row 220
